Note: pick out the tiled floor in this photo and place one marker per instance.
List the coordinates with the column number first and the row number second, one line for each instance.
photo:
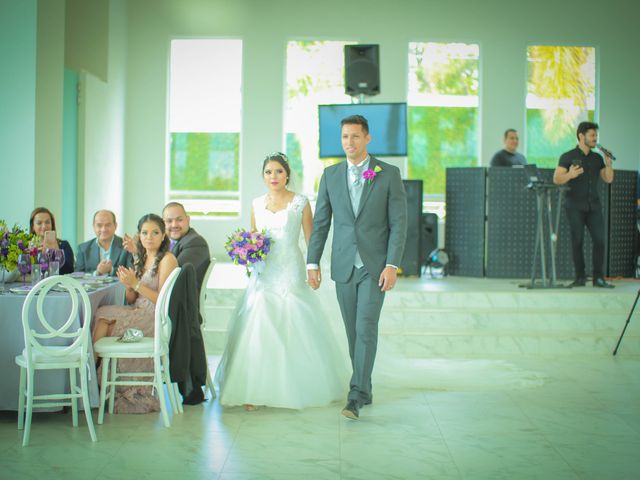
column 582, row 421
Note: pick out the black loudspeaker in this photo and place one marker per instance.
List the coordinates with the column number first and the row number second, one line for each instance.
column 411, row 260
column 429, row 235
column 361, row 70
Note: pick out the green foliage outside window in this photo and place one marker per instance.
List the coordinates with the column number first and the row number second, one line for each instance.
column 205, row 161
column 560, row 94
column 441, row 137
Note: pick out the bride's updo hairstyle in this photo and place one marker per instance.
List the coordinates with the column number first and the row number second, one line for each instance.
column 282, row 159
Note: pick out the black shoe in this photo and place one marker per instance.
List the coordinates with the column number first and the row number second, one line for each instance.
column 366, row 402
column 195, row 397
column 602, row 283
column 352, row 410
column 579, row 282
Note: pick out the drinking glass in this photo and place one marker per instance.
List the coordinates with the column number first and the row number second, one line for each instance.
column 58, row 255
column 36, row 273
column 54, row 268
column 24, row 265
column 43, row 261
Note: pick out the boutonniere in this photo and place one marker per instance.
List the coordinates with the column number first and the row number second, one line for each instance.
column 370, row 173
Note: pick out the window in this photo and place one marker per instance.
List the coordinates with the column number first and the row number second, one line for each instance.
column 315, row 76
column 204, row 125
column 560, row 94
column 443, row 111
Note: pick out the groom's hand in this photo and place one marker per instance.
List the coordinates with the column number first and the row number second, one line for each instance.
column 388, row 279
column 313, row 278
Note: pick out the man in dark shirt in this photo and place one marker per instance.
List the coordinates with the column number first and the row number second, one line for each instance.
column 508, row 156
column 581, row 169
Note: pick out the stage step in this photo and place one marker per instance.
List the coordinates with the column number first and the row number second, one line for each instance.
column 463, row 319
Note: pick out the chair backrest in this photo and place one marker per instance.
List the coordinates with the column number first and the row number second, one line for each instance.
column 162, row 320
column 42, row 331
column 203, row 290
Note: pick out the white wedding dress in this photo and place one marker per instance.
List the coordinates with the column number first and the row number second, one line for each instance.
column 281, row 349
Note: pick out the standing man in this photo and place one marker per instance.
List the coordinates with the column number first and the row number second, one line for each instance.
column 508, row 156
column 105, row 253
column 186, row 244
column 367, row 201
column 581, row 169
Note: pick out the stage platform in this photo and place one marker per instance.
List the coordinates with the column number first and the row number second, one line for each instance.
column 461, row 318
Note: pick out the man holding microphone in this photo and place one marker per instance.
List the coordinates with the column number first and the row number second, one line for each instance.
column 581, row 169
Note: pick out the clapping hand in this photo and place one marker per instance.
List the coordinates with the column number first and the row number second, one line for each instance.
column 127, row 277
column 104, row 267
column 129, row 244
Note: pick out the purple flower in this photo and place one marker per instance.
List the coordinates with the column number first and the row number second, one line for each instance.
column 20, row 244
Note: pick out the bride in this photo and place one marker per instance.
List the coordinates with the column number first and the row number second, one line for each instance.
column 281, row 350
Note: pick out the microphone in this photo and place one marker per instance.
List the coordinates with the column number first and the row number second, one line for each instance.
column 606, row 152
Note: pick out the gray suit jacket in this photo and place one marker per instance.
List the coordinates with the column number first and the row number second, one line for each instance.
column 378, row 229
column 193, row 249
column 88, row 256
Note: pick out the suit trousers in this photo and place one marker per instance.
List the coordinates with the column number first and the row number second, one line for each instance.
column 594, row 221
column 360, row 301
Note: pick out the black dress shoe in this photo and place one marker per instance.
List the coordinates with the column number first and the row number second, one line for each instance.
column 602, row 283
column 578, row 282
column 195, row 397
column 352, row 410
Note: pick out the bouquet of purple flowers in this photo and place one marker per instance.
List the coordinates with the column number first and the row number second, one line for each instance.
column 248, row 248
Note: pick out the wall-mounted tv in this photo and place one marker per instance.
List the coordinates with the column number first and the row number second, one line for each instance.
column 387, row 125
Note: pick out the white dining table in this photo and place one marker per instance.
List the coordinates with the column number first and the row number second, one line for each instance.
column 56, row 307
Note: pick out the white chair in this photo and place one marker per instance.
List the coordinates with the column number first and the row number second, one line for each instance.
column 157, row 348
column 203, row 309
column 40, row 354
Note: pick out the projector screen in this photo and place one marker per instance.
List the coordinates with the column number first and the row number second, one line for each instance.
column 387, row 126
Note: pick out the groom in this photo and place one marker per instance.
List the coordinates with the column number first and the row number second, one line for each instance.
column 367, row 201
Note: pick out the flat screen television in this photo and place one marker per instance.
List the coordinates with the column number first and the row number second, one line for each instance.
column 387, row 125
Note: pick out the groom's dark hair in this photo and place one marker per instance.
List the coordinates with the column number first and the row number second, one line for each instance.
column 356, row 120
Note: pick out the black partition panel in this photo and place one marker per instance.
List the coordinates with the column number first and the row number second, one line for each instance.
column 411, row 263
column 622, row 224
column 511, row 223
column 464, row 225
column 511, row 227
column 492, row 207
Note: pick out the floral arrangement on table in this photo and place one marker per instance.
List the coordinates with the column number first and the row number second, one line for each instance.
column 248, row 248
column 14, row 242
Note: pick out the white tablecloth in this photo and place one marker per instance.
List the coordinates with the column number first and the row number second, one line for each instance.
column 12, row 342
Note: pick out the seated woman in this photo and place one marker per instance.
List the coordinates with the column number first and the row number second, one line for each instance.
column 42, row 220
column 152, row 266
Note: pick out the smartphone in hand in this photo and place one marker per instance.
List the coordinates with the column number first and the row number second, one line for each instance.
column 50, row 240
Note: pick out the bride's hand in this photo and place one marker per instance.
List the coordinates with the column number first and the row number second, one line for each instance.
column 313, row 278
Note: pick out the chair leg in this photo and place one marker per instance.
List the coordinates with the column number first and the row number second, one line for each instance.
column 86, row 404
column 158, row 381
column 74, row 400
column 23, row 379
column 166, row 378
column 176, row 393
column 210, row 383
column 103, row 389
column 112, row 389
column 27, row 423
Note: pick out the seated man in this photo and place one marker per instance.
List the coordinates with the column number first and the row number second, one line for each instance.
column 508, row 156
column 105, row 253
column 186, row 244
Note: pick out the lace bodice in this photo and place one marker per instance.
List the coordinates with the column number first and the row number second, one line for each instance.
column 284, row 266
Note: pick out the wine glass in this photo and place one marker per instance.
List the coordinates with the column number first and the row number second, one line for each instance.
column 43, row 261
column 24, row 265
column 58, row 255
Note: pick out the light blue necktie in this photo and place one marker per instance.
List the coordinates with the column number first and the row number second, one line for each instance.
column 355, row 192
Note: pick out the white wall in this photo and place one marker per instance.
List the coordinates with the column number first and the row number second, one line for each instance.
column 102, row 130
column 503, row 30
column 18, row 22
